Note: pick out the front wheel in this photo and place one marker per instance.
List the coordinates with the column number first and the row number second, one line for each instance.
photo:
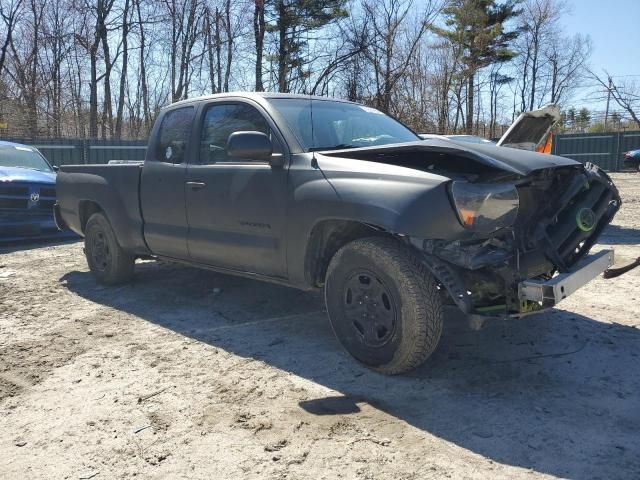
column 383, row 305
column 108, row 262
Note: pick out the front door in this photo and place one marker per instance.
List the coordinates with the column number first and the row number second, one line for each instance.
column 236, row 208
column 162, row 191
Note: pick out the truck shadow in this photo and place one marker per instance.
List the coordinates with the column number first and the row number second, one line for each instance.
column 558, row 393
column 617, row 235
column 33, row 243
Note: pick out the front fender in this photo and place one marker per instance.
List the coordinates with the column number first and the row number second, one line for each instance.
column 410, row 203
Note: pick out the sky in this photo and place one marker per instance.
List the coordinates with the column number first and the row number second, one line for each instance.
column 614, row 27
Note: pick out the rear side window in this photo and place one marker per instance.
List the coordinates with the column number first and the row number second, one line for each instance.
column 173, row 138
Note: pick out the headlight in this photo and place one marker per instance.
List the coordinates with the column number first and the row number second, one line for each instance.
column 486, row 207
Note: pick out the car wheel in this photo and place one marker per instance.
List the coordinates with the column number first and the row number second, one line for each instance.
column 108, row 262
column 383, row 305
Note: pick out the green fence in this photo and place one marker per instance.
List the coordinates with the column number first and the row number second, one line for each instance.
column 66, row 151
column 604, row 149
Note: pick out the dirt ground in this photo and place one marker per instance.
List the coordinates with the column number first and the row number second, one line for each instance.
column 192, row 374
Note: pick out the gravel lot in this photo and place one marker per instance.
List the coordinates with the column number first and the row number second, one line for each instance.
column 192, row 374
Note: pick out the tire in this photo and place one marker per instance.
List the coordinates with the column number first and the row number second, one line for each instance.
column 108, row 262
column 383, row 305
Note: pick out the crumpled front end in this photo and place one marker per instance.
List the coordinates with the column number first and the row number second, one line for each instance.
column 561, row 213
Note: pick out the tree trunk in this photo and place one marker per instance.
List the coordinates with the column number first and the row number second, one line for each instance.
column 143, row 72
column 229, row 32
column 93, row 93
column 470, row 100
column 218, row 49
column 123, row 73
column 258, row 33
column 282, row 47
column 534, row 71
column 210, row 53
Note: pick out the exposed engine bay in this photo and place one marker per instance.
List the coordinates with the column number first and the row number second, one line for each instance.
column 561, row 214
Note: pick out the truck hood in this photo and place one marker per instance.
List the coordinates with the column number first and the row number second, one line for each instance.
column 17, row 174
column 448, row 158
column 530, row 129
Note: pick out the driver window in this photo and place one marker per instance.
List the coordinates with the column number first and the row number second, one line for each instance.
column 220, row 121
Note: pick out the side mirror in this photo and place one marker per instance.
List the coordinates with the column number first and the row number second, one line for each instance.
column 249, row 145
column 55, row 168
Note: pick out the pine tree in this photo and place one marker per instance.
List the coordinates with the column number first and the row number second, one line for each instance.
column 477, row 28
column 292, row 21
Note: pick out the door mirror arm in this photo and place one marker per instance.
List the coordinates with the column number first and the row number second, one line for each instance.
column 276, row 160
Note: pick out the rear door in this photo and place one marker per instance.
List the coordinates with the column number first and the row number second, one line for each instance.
column 162, row 190
column 236, row 207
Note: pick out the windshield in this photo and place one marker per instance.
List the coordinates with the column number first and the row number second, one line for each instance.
column 338, row 125
column 23, row 157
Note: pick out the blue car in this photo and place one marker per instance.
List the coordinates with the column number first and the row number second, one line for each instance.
column 632, row 159
column 27, row 193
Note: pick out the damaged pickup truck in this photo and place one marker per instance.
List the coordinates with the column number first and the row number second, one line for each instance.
column 318, row 193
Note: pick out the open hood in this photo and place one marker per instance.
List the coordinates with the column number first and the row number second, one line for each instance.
column 443, row 156
column 530, row 129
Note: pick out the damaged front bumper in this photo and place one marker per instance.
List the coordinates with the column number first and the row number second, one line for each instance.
column 548, row 293
column 542, row 258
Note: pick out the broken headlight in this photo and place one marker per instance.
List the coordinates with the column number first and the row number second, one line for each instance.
column 486, row 207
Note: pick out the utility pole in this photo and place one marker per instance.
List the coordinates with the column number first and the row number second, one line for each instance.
column 606, row 113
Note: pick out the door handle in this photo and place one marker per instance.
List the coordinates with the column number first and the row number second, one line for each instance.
column 196, row 185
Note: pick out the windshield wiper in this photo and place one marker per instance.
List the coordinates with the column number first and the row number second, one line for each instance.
column 340, row 146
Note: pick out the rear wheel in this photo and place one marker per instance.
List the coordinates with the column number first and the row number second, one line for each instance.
column 383, row 305
column 108, row 262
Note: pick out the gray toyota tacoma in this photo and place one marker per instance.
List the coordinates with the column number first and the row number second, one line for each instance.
column 318, row 193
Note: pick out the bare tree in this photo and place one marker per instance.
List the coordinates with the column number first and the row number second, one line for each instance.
column 625, row 94
column 259, row 26
column 497, row 80
column 567, row 61
column 393, row 41
column 26, row 64
column 9, row 12
column 126, row 26
column 186, row 26
column 91, row 33
column 57, row 45
column 538, row 25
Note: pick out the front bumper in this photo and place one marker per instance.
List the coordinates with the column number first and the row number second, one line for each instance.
column 19, row 226
column 549, row 293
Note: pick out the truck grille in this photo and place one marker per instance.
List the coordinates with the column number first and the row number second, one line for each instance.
column 14, row 190
column 583, row 208
column 27, row 199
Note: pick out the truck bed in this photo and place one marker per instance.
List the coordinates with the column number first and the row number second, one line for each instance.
column 84, row 189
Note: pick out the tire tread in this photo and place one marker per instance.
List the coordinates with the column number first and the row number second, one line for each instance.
column 123, row 262
column 422, row 294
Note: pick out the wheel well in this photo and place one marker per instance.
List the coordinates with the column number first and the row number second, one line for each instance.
column 85, row 210
column 327, row 237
